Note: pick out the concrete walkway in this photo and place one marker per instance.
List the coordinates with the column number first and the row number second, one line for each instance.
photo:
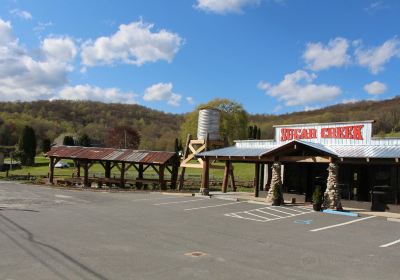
column 246, row 196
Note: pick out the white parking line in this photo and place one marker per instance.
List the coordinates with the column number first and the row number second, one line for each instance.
column 258, row 216
column 155, row 198
column 294, row 210
column 264, row 214
column 259, row 210
column 280, row 211
column 212, row 206
column 390, row 244
column 184, row 201
column 343, row 224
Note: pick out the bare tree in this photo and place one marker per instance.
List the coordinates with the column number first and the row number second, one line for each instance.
column 123, row 137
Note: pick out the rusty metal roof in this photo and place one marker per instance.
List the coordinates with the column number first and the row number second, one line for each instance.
column 110, row 154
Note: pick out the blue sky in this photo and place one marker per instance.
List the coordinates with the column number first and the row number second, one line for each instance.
column 272, row 56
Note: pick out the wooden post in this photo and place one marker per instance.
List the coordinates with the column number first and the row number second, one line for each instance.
column 139, row 185
column 185, row 154
column 261, row 182
column 226, row 177
column 107, row 170
column 78, row 168
column 122, row 178
column 174, row 173
column 233, row 184
column 256, row 179
column 51, row 175
column 161, row 177
column 85, row 174
column 205, row 180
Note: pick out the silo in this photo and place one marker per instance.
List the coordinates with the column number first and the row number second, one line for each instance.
column 208, row 123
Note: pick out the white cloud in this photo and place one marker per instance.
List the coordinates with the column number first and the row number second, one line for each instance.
column 376, row 57
column 41, row 26
column 22, row 14
column 349, row 100
column 133, row 43
column 375, row 88
column 88, row 92
column 334, row 54
column 224, row 6
column 311, row 108
column 298, row 89
column 162, row 92
column 376, row 6
column 24, row 76
column 277, row 108
column 61, row 48
column 190, row 100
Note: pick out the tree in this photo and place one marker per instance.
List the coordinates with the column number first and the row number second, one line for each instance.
column 84, row 140
column 27, row 146
column 68, row 141
column 46, row 145
column 123, row 137
column 250, row 132
column 254, row 132
column 233, row 121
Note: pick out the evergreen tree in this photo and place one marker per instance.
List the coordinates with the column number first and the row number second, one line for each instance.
column 255, row 129
column 27, row 146
column 46, row 145
column 250, row 132
column 68, row 141
column 84, row 140
column 259, row 133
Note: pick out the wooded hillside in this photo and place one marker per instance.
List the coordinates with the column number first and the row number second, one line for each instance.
column 158, row 130
column 51, row 118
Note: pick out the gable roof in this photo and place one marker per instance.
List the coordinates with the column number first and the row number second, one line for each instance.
column 110, row 154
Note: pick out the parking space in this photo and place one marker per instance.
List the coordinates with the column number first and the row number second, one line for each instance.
column 103, row 235
column 270, row 213
column 288, row 216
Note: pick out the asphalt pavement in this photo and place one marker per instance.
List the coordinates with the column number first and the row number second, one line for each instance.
column 49, row 233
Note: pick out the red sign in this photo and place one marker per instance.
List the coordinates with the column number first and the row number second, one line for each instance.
column 342, row 132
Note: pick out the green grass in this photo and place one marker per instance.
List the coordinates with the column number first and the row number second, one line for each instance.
column 242, row 171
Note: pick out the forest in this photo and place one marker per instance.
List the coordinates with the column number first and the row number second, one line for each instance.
column 158, row 130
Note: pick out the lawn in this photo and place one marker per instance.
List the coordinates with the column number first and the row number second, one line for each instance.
column 242, row 171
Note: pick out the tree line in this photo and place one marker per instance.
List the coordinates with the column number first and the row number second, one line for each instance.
column 88, row 123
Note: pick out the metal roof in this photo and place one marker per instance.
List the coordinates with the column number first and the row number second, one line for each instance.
column 110, row 154
column 316, row 146
column 257, row 148
column 234, row 152
column 366, row 151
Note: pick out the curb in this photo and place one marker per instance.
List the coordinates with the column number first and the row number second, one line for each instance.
column 200, row 195
column 335, row 212
column 393, row 220
column 225, row 198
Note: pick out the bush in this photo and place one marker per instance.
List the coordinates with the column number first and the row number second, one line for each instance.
column 318, row 196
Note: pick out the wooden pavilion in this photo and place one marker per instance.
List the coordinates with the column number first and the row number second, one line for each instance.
column 122, row 159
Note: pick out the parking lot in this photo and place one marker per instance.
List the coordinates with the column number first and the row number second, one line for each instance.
column 48, row 233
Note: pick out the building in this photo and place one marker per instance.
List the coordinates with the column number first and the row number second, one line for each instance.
column 305, row 151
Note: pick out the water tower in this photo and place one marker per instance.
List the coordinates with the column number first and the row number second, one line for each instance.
column 208, row 138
